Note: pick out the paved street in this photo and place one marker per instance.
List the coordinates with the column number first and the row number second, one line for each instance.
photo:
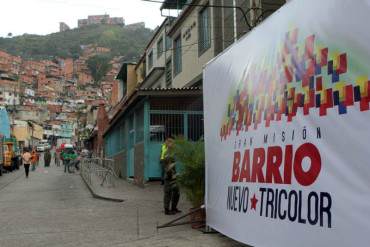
column 52, row 208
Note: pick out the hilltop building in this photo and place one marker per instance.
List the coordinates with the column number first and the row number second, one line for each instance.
column 100, row 19
column 63, row 27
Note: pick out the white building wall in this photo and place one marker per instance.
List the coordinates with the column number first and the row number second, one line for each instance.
column 192, row 60
column 157, row 61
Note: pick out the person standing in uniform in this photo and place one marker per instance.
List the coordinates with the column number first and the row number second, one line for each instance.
column 162, row 161
column 26, row 158
column 171, row 188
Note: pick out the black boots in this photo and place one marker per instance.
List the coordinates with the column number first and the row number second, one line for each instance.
column 171, row 212
column 168, row 212
column 176, row 211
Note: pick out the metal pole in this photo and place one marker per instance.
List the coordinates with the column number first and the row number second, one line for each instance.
column 235, row 27
column 168, row 224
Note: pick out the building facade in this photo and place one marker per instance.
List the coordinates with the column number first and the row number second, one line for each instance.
column 164, row 96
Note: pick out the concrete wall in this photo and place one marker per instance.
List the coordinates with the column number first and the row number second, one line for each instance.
column 140, row 72
column 116, row 93
column 123, row 161
column 160, row 83
column 139, row 164
column 157, row 61
column 131, row 79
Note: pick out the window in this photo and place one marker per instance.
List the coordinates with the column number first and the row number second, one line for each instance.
column 159, row 47
column 150, row 60
column 204, row 30
column 168, row 43
column 168, row 73
column 177, row 55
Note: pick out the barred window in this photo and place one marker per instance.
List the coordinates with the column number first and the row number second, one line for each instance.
column 204, row 30
column 177, row 55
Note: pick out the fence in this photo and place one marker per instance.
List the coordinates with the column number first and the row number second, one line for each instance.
column 102, row 169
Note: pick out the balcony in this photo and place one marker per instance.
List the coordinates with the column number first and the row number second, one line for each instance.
column 174, row 4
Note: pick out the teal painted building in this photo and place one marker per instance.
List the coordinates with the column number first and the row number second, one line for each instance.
column 4, row 123
column 136, row 133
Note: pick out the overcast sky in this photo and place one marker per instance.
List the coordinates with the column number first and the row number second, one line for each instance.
column 43, row 16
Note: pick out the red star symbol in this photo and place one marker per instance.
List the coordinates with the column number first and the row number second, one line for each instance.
column 254, row 202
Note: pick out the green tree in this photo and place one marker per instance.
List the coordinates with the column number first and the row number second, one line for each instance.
column 99, row 66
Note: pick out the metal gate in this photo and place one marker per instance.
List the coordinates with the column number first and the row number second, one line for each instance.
column 170, row 123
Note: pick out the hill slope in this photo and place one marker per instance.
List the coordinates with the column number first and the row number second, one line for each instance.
column 122, row 41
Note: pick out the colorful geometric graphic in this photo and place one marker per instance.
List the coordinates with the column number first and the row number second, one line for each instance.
column 305, row 76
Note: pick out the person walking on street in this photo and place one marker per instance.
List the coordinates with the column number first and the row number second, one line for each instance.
column 65, row 162
column 34, row 160
column 68, row 158
column 57, row 157
column 171, row 188
column 26, row 158
column 47, row 158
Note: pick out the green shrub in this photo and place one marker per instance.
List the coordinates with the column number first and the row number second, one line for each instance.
column 192, row 175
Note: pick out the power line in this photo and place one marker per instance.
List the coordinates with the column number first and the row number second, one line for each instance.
column 215, row 6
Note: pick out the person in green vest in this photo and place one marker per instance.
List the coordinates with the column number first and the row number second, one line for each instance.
column 171, row 188
column 69, row 156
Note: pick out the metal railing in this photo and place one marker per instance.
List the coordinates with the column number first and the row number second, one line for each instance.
column 103, row 169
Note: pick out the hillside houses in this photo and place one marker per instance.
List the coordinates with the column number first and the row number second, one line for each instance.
column 45, row 91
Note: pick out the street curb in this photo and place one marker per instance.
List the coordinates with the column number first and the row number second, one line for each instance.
column 96, row 196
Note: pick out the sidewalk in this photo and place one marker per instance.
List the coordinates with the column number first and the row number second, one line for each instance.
column 10, row 177
column 144, row 208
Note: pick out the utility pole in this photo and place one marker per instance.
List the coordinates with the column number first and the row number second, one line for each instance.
column 235, row 23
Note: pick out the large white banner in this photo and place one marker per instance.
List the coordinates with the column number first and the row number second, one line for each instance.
column 287, row 129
